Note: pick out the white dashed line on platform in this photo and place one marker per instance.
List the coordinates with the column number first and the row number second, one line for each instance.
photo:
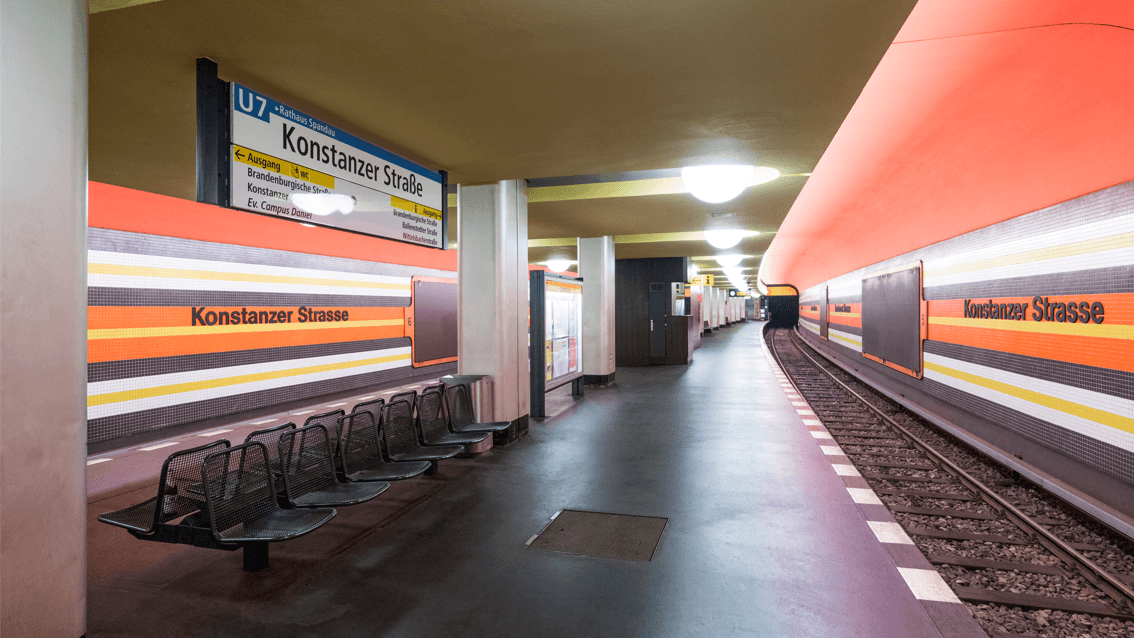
column 159, row 446
column 812, row 422
column 831, row 450
column 890, row 533
column 845, row 470
column 335, row 405
column 94, row 461
column 366, row 398
column 303, row 412
column 927, row 584
column 822, row 435
column 263, row 421
column 864, row 496
column 213, row 433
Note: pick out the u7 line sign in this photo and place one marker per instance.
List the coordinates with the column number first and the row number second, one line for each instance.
column 281, row 156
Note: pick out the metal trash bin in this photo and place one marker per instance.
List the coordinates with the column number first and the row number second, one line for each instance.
column 480, row 393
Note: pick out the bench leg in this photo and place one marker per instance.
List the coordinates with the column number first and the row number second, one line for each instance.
column 255, row 556
column 432, row 468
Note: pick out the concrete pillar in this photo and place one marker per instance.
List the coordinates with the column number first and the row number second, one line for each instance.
column 43, row 318
column 493, row 307
column 596, row 267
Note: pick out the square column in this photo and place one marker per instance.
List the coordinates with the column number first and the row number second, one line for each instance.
column 43, row 319
column 596, row 267
column 492, row 313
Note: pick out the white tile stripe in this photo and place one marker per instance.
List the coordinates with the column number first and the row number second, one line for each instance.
column 845, row 470
column 183, row 263
column 159, row 446
column 927, row 584
column 822, row 435
column 1086, row 427
column 146, row 403
column 832, row 450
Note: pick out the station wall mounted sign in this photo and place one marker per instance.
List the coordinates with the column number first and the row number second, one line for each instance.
column 289, row 164
column 702, row 280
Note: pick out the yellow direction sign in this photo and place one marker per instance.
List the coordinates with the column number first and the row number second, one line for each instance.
column 702, row 280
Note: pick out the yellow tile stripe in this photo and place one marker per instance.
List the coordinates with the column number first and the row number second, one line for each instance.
column 178, row 273
column 190, row 386
column 186, row 331
column 845, row 314
column 831, row 334
column 1125, row 240
column 1111, row 419
column 1104, row 331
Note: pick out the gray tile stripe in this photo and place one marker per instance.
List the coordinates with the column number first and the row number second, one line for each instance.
column 854, row 330
column 838, row 300
column 110, row 370
column 112, row 427
column 1091, row 452
column 1116, row 279
column 121, row 241
column 1113, row 382
column 159, row 297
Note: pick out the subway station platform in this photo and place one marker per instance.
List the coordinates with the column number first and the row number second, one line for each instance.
column 763, row 537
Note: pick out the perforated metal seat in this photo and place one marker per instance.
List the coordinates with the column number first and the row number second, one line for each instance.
column 433, row 427
column 309, row 472
column 362, row 456
column 401, row 438
column 458, row 404
column 410, row 396
column 241, row 499
column 270, row 437
column 180, row 492
column 329, row 420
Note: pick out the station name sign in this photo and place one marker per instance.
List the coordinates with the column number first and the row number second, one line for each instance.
column 203, row 316
column 290, row 164
column 1041, row 309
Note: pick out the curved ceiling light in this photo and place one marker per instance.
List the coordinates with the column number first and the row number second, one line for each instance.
column 693, row 271
column 558, row 265
column 729, row 261
column 727, row 238
column 323, row 204
column 717, row 183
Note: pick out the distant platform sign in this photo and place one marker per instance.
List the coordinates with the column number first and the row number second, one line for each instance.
column 290, row 164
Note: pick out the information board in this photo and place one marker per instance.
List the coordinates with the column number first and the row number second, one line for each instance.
column 563, row 311
column 289, row 164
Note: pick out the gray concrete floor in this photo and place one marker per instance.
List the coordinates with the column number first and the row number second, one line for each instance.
column 762, row 540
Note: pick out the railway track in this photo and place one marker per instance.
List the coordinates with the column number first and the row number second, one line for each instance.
column 1024, row 561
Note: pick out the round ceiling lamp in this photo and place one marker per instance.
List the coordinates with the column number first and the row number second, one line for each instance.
column 729, row 261
column 727, row 238
column 323, row 204
column 558, row 265
column 693, row 271
column 718, row 183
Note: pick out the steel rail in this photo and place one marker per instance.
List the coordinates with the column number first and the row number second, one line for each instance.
column 1104, row 580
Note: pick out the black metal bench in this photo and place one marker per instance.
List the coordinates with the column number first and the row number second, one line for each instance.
column 329, row 420
column 399, row 432
column 226, row 500
column 433, row 427
column 409, row 396
column 309, row 473
column 458, row 405
column 362, row 455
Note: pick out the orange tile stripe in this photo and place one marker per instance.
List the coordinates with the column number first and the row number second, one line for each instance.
column 1106, row 345
column 282, row 335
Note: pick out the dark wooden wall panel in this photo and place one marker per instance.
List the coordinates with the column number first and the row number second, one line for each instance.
column 632, row 305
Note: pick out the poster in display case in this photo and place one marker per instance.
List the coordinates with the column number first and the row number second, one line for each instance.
column 556, row 341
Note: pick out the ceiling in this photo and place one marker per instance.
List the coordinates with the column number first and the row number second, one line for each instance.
column 500, row 89
column 1028, row 105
